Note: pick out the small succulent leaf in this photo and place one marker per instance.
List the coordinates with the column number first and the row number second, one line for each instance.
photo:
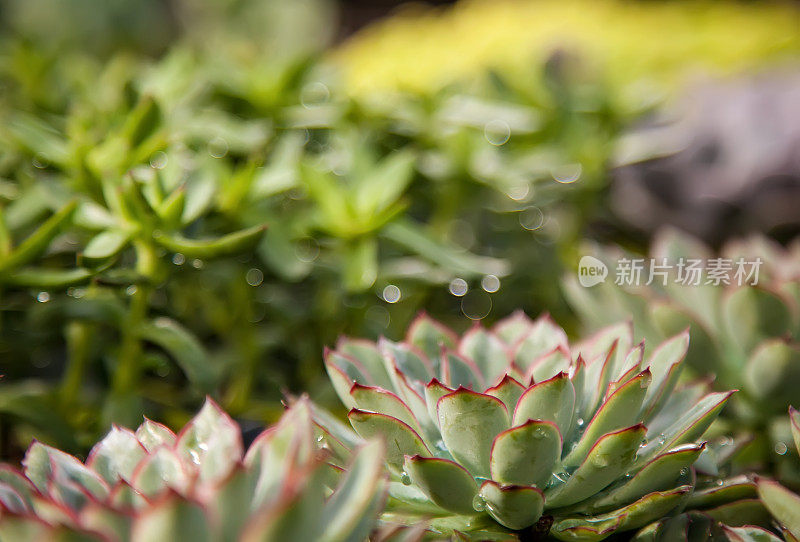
column 359, row 263
column 751, row 315
column 525, row 455
column 772, row 372
column 469, row 423
column 45, row 278
column 782, row 504
column 355, row 497
column 732, row 489
column 621, row 409
column 378, row 400
column 51, row 511
column 371, row 361
column 634, row 516
column 104, row 246
column 444, row 482
column 227, row 245
column 342, row 373
column 21, row 485
column 400, row 438
column 211, row 440
column 548, row 365
column 512, row 506
column 675, row 405
column 631, row 366
column 429, row 336
column 409, row 359
column 542, row 337
column 419, row 407
column 124, row 496
column 748, row 534
column 690, row 426
column 49, row 468
column 12, row 501
column 109, row 523
column 116, row 456
column 507, row 390
column 295, row 517
column 740, row 513
column 39, row 240
column 664, row 365
column 488, row 351
column 184, row 347
column 456, row 372
column 434, row 391
column 607, row 461
column 552, row 400
column 512, row 328
column 656, row 475
column 24, row 528
column 618, row 337
column 153, row 435
column 172, row 519
column 160, row 470
column 794, row 420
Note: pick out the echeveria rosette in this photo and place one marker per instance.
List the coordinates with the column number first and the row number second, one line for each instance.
column 748, row 336
column 153, row 485
column 517, row 423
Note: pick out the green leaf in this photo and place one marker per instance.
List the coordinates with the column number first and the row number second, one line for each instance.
column 607, row 461
column 621, row 409
column 552, row 400
column 401, row 440
column 649, row 508
column 116, row 456
column 782, row 503
column 445, row 482
column 172, row 518
column 515, row 507
column 525, row 455
column 39, row 240
column 384, row 402
column 350, row 513
column 105, row 246
column 233, row 243
column 187, row 351
column 37, row 277
column 469, row 423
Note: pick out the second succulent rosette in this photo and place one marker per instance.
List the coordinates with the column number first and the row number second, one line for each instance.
column 518, row 423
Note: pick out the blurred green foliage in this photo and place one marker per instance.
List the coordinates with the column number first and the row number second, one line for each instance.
column 191, row 203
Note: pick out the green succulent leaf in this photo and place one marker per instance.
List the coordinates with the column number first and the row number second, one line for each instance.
column 782, row 503
column 526, row 454
column 469, row 423
column 445, row 482
column 513, row 506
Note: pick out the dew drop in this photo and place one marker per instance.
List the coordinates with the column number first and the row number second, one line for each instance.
column 391, row 294
column 580, row 422
column 490, row 283
column 254, row 277
column 405, row 478
column 178, row 259
column 458, row 287
column 479, row 503
column 43, row 297
column 781, row 448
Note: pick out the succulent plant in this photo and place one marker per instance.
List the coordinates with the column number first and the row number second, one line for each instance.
column 782, row 503
column 197, row 485
column 517, row 424
column 746, row 335
column 697, row 526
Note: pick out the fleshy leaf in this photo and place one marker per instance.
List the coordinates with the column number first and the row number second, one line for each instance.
column 526, row 454
column 401, row 440
column 621, row 409
column 116, row 456
column 445, row 482
column 513, row 506
column 608, row 460
column 469, row 422
column 782, row 503
column 552, row 400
